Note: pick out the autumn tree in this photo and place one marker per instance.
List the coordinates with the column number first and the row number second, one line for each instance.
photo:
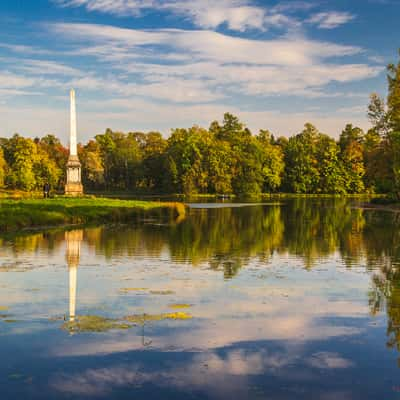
column 301, row 163
column 92, row 165
column 351, row 144
column 3, row 166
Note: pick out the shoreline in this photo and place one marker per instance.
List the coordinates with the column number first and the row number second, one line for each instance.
column 32, row 214
column 392, row 207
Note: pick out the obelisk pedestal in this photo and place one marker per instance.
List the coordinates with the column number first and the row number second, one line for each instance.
column 73, row 186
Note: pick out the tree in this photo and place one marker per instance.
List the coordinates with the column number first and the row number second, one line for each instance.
column 377, row 115
column 219, row 160
column 185, row 160
column 3, row 166
column 92, row 166
column 393, row 100
column 56, row 152
column 332, row 179
column 378, row 165
column 272, row 162
column 245, row 155
column 301, row 163
column 21, row 156
column 231, row 130
column 153, row 160
column 121, row 157
column 352, row 155
column 393, row 117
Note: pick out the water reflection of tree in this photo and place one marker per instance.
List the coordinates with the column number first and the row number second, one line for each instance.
column 385, row 294
column 317, row 228
column 229, row 238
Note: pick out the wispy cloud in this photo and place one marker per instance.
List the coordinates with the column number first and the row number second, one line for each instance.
column 206, row 65
column 210, row 45
column 237, row 15
column 330, row 20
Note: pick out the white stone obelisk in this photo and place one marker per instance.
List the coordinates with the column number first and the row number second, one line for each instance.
column 73, row 186
column 72, row 136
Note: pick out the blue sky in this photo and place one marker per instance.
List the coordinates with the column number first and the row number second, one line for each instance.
column 160, row 64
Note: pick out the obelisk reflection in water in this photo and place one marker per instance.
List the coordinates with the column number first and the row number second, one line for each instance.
column 73, row 251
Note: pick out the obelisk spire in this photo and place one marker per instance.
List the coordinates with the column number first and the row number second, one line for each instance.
column 72, row 136
column 73, row 186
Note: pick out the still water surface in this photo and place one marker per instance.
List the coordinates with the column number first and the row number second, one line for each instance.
column 298, row 300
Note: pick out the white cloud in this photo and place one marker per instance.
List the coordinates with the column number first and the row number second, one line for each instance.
column 10, row 80
column 116, row 7
column 295, row 50
column 330, row 20
column 238, row 15
column 203, row 66
column 46, row 67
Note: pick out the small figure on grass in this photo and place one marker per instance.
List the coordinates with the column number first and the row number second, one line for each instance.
column 46, row 190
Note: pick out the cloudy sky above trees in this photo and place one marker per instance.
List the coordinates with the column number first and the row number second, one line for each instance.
column 161, row 64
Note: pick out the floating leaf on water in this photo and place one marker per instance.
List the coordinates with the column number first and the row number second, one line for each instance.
column 162, row 292
column 177, row 306
column 3, row 308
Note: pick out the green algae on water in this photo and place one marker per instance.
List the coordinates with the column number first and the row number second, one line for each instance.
column 93, row 323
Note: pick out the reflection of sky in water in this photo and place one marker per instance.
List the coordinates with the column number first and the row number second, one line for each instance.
column 269, row 320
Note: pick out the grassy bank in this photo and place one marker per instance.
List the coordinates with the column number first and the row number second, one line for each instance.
column 32, row 213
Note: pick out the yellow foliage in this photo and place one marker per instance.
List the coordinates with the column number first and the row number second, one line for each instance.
column 177, row 306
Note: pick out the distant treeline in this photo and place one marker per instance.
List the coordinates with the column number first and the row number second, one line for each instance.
column 224, row 159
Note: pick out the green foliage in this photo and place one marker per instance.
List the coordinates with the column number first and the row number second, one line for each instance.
column 332, row 177
column 92, row 165
column 31, row 163
column 301, row 164
column 395, row 150
column 377, row 115
column 351, row 153
column 3, row 166
column 393, row 101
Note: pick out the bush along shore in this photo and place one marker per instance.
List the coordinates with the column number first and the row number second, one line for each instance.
column 33, row 213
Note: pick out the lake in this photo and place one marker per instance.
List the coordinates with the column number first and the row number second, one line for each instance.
column 292, row 300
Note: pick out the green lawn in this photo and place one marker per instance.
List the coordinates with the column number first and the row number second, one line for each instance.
column 30, row 213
